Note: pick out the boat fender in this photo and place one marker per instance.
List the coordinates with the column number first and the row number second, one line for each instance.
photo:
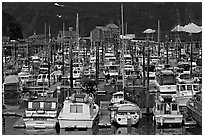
column 153, row 118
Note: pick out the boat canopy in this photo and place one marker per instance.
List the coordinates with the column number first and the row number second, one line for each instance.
column 128, row 107
column 11, row 79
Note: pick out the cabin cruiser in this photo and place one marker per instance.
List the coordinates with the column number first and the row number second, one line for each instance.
column 185, row 77
column 79, row 111
column 166, row 82
column 12, row 90
column 125, row 113
column 194, row 106
column 41, row 113
column 117, row 97
column 166, row 111
column 185, row 92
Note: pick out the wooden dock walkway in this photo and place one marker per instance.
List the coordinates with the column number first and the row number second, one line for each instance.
column 104, row 116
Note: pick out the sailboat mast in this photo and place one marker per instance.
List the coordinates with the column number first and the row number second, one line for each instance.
column 158, row 39
column 123, row 49
column 77, row 35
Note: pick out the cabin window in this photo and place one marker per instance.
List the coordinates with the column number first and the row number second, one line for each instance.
column 183, row 88
column 132, row 113
column 198, row 99
column 47, row 105
column 174, row 107
column 189, row 87
column 44, row 76
column 122, row 113
column 195, row 87
column 76, row 108
column 159, row 107
column 36, row 105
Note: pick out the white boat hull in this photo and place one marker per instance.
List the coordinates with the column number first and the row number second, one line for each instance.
column 78, row 120
column 169, row 119
column 49, row 123
column 126, row 120
column 182, row 100
column 76, row 123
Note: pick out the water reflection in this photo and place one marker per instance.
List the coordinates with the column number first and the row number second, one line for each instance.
column 145, row 127
column 124, row 130
column 170, row 131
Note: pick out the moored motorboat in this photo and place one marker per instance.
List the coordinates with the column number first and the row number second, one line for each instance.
column 125, row 113
column 41, row 113
column 166, row 111
column 194, row 107
column 117, row 97
column 79, row 111
column 185, row 92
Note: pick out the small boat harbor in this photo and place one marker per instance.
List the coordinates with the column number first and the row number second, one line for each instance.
column 101, row 85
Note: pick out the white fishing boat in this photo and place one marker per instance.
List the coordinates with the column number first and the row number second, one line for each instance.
column 185, row 92
column 125, row 113
column 194, row 106
column 166, row 111
column 185, row 77
column 41, row 113
column 166, row 82
column 79, row 111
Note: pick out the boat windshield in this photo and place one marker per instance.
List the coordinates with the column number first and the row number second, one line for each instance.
column 174, row 107
column 183, row 87
column 185, row 76
column 169, row 80
column 122, row 113
column 126, row 112
column 118, row 96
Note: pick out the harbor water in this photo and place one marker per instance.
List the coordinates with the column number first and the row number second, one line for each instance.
column 145, row 127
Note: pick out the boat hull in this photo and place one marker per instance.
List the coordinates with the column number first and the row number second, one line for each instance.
column 76, row 123
column 48, row 123
column 168, row 119
column 127, row 120
column 182, row 100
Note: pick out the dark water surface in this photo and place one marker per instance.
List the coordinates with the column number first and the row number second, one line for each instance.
column 145, row 127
